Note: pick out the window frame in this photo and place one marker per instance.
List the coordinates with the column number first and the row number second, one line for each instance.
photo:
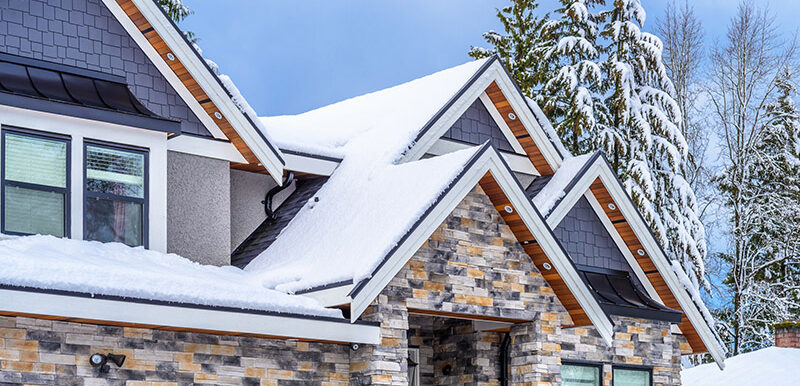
column 144, row 201
column 597, row 365
column 648, row 369
column 66, row 191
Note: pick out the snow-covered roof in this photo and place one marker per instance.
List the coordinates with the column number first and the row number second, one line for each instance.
column 50, row 263
column 397, row 114
column 768, row 366
column 547, row 198
column 354, row 220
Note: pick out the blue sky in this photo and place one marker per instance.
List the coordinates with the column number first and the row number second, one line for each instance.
column 290, row 56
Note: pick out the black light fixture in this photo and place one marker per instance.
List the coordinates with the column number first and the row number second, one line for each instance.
column 100, row 360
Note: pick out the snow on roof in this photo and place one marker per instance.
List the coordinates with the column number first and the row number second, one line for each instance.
column 399, row 113
column 548, row 127
column 768, row 366
column 353, row 222
column 554, row 191
column 47, row 262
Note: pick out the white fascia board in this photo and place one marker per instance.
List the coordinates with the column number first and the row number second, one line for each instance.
column 309, row 164
column 570, row 198
column 285, row 326
column 525, row 115
column 489, row 161
column 662, row 264
column 449, row 117
column 518, row 163
column 331, row 297
column 164, row 69
column 419, row 235
column 501, row 123
column 621, row 246
column 551, row 247
column 268, row 155
column 205, row 147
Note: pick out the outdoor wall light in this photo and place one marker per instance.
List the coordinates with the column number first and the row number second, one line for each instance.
column 100, row 360
column 547, row 266
column 640, row 252
column 217, row 115
column 509, row 209
column 612, row 206
column 170, row 56
column 512, row 116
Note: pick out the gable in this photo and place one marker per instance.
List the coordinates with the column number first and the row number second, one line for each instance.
column 473, row 265
column 85, row 34
column 586, row 239
column 477, row 126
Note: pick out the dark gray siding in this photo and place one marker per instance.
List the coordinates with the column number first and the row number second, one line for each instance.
column 586, row 239
column 84, row 33
column 477, row 126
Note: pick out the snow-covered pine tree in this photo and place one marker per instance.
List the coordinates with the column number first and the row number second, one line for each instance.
column 643, row 139
column 177, row 11
column 522, row 47
column 572, row 96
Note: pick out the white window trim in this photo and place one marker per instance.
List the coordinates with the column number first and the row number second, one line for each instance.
column 79, row 129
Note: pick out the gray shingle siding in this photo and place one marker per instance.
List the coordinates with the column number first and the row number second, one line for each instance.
column 84, row 34
column 476, row 126
column 586, row 239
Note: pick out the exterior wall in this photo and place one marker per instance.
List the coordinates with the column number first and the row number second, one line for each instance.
column 477, row 126
column 473, row 264
column 84, row 33
column 198, row 208
column 586, row 239
column 247, row 211
column 787, row 334
column 38, row 351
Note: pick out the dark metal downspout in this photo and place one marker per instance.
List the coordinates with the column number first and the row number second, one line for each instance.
column 504, row 357
column 272, row 192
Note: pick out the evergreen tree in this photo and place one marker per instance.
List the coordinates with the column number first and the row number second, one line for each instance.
column 572, row 96
column 523, row 46
column 178, row 12
column 643, row 139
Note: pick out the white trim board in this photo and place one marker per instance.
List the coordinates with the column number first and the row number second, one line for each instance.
column 498, row 119
column 205, row 147
column 518, row 163
column 601, row 169
column 268, row 155
column 493, row 73
column 488, row 161
column 286, row 326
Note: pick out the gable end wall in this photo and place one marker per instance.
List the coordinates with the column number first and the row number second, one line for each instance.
column 84, row 34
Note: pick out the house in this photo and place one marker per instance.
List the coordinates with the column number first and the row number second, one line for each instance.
column 431, row 233
column 776, row 365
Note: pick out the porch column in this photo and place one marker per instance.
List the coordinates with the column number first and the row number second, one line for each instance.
column 383, row 364
column 535, row 354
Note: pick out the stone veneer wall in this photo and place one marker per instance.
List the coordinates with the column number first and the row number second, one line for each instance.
column 37, row 351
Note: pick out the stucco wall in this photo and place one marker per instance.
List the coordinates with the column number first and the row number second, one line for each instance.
column 247, row 212
column 84, row 33
column 39, row 351
column 198, row 208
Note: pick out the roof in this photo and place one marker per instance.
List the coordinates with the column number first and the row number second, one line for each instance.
column 619, row 295
column 379, row 204
column 215, row 99
column 768, row 366
column 114, row 269
column 266, row 233
column 548, row 196
column 400, row 113
column 60, row 89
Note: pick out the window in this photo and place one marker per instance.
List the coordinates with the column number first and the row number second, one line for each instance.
column 413, row 366
column 628, row 376
column 579, row 374
column 35, row 191
column 115, row 199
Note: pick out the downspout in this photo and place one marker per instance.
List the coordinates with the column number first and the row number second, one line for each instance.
column 272, row 192
column 504, row 357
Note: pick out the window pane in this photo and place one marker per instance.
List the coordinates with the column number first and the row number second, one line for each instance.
column 628, row 377
column 33, row 211
column 36, row 160
column 115, row 171
column 110, row 220
column 577, row 375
